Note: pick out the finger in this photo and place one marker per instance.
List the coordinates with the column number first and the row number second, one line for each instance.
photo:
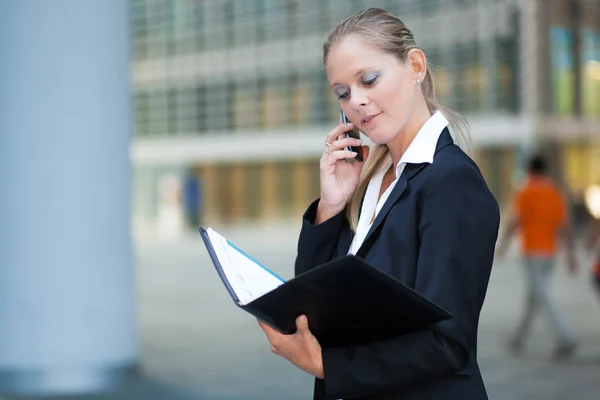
column 337, row 131
column 302, row 325
column 330, row 159
column 270, row 332
column 343, row 143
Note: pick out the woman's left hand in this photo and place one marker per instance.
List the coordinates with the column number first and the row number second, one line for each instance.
column 301, row 348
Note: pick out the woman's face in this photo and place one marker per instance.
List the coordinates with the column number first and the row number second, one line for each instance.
column 376, row 90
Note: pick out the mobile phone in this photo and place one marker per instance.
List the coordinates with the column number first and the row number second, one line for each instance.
column 353, row 133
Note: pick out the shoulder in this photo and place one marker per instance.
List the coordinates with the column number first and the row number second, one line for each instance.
column 455, row 179
column 555, row 187
column 452, row 163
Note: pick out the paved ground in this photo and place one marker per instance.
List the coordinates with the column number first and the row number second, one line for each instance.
column 195, row 344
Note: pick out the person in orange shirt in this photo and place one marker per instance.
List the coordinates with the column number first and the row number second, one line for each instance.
column 541, row 217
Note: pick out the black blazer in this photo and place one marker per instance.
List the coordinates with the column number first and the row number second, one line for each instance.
column 436, row 233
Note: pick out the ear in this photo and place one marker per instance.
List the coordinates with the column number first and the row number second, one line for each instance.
column 417, row 62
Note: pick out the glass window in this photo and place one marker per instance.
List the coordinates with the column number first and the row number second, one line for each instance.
column 329, row 104
column 334, row 12
column 170, row 28
column 245, row 113
column 274, row 22
column 440, row 74
column 197, row 16
column 274, row 101
column 320, row 96
column 244, row 22
column 470, row 78
column 590, row 79
column 394, row 6
column 507, row 73
column 215, row 25
column 182, row 28
column 443, row 86
column 140, row 50
column 228, row 11
column 181, row 111
column 429, row 5
column 199, row 109
column 139, row 29
column 305, row 17
column 301, row 100
column 157, row 32
column 187, row 114
column 355, row 6
column 172, row 111
column 562, row 70
column 142, row 114
column 158, row 114
column 217, row 107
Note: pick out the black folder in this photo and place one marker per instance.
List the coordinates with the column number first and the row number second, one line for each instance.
column 347, row 302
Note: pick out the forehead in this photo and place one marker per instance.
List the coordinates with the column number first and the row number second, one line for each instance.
column 352, row 55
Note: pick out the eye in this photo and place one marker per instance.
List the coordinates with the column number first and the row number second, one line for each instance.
column 342, row 93
column 369, row 78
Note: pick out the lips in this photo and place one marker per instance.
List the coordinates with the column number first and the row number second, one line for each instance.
column 368, row 118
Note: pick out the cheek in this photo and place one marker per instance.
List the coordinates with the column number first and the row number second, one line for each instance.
column 396, row 100
column 396, row 94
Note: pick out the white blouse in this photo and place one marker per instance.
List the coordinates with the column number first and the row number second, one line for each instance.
column 421, row 150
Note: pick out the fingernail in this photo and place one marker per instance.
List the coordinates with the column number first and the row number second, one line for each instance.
column 302, row 320
column 354, row 153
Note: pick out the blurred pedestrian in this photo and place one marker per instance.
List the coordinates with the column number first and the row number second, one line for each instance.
column 593, row 245
column 541, row 218
column 192, row 195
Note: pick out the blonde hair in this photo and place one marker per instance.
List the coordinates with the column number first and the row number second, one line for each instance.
column 387, row 33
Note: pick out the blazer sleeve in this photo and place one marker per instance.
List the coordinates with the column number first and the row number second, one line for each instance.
column 458, row 229
column 317, row 243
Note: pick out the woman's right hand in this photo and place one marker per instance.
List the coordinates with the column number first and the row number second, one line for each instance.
column 338, row 177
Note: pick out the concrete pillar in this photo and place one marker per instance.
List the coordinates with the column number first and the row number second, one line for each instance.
column 67, row 312
column 237, row 192
column 300, row 182
column 210, row 210
column 269, row 207
column 530, row 57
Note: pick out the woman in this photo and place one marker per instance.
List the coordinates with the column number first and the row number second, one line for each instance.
column 419, row 210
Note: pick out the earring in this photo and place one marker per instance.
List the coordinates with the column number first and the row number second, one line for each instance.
column 418, row 81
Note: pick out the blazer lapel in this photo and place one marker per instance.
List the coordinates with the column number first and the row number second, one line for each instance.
column 409, row 172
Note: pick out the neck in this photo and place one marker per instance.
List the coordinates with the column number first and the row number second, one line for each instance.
column 398, row 145
column 536, row 175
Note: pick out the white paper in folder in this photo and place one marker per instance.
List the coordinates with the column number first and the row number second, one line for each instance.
column 247, row 277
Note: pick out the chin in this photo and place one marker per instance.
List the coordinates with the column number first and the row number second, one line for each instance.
column 378, row 138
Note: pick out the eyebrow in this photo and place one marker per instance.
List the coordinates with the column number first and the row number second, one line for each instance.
column 361, row 71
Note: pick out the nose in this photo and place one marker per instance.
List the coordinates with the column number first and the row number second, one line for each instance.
column 358, row 99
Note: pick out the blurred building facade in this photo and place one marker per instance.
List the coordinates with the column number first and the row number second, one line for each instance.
column 234, row 92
